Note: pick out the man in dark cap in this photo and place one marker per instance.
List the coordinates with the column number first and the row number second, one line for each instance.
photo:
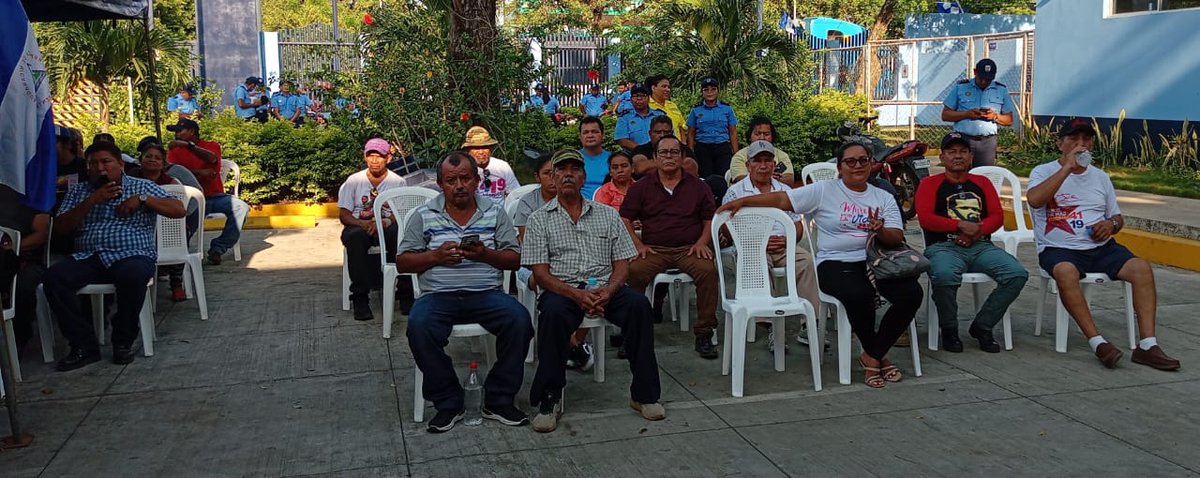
column 978, row 107
column 248, row 100
column 203, row 159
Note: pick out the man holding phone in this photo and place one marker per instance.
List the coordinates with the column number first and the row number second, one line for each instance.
column 978, row 107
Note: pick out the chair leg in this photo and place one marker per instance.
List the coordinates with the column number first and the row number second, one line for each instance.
column 1130, row 316
column 725, row 364
column 146, row 319
column 528, row 301
column 778, row 342
column 1043, row 291
column 975, row 303
column 345, row 281
column 931, row 322
column 45, row 326
column 489, row 349
column 237, row 251
column 916, row 349
column 98, row 318
column 1008, row 336
column 599, row 335
column 189, row 286
column 685, row 305
column 673, row 298
column 418, row 395
column 737, row 347
column 815, row 348
column 197, row 276
column 1061, row 321
column 13, row 355
column 843, row 331
column 389, row 303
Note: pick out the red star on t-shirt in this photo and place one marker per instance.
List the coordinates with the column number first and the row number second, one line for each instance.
column 1058, row 217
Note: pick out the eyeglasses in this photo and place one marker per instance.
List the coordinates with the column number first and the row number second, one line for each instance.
column 856, row 162
column 669, row 152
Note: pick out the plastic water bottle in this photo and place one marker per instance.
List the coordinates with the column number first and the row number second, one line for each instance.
column 592, row 283
column 474, row 397
column 1084, row 158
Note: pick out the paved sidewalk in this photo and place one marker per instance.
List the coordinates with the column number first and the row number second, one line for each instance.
column 281, row 382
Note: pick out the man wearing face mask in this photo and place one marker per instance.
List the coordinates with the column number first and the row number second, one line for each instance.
column 1075, row 215
column 112, row 219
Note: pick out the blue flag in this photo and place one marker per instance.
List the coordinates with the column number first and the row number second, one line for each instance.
column 28, row 155
column 950, row 7
column 784, row 22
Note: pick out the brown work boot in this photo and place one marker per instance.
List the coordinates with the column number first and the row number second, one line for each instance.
column 1108, row 354
column 1155, row 357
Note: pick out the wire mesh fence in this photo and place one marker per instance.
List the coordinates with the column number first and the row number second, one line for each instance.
column 312, row 49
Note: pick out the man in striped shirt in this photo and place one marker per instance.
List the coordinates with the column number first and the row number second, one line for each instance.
column 460, row 243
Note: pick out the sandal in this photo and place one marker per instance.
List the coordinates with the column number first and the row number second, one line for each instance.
column 890, row 372
column 871, row 375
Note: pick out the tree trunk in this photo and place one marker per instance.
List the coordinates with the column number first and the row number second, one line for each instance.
column 887, row 12
column 473, row 52
column 105, row 112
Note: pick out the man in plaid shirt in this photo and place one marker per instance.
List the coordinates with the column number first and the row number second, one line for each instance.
column 112, row 219
column 579, row 252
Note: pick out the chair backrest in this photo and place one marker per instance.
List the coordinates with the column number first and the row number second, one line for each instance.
column 14, row 237
column 171, row 233
column 751, row 228
column 999, row 176
column 401, row 201
column 818, row 172
column 231, row 171
column 514, row 198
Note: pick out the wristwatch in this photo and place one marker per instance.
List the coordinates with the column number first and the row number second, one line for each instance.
column 142, row 199
column 191, row 144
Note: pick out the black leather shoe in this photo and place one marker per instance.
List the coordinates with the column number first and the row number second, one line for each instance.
column 362, row 310
column 122, row 354
column 78, row 358
column 987, row 342
column 705, row 347
column 951, row 342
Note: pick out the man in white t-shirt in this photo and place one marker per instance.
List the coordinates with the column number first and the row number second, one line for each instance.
column 760, row 166
column 356, row 209
column 496, row 177
column 1075, row 215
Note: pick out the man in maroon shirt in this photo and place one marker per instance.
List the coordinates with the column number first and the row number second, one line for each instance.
column 203, row 159
column 676, row 211
column 958, row 212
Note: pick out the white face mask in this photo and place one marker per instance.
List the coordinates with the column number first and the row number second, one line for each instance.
column 1084, row 158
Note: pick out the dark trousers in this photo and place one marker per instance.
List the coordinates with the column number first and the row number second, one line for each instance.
column 433, row 316
column 558, row 318
column 365, row 273
column 713, row 158
column 27, row 275
column 984, row 149
column 847, row 281
column 65, row 278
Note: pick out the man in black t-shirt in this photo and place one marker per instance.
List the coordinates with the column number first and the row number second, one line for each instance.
column 27, row 268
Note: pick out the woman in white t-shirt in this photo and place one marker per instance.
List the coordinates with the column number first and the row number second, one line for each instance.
column 847, row 211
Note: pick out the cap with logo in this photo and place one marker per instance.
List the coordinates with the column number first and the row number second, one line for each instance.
column 955, row 137
column 378, row 145
column 184, row 123
column 760, row 146
column 1075, row 125
column 710, row 81
column 565, row 155
column 253, row 80
column 986, row 69
column 639, row 89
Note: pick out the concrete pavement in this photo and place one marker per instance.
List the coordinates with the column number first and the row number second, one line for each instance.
column 281, row 382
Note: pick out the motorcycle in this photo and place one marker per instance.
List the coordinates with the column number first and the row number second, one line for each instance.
column 902, row 166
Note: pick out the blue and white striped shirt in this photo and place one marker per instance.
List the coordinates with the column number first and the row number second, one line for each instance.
column 429, row 226
column 109, row 236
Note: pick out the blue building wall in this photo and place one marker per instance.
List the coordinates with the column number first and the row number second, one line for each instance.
column 229, row 46
column 1090, row 64
column 931, row 25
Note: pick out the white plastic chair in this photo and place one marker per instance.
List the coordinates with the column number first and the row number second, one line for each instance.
column 459, row 331
column 1011, row 238
column 678, row 298
column 10, row 309
column 843, row 323
column 231, row 171
column 173, row 246
column 818, row 172
column 1062, row 320
column 975, row 279
column 525, row 296
column 751, row 228
column 402, row 201
column 346, row 274
column 97, row 293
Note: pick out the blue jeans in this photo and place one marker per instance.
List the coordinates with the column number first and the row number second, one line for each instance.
column 435, row 314
column 223, row 204
column 949, row 261
column 64, row 279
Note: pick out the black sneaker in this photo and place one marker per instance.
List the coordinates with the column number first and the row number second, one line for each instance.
column 214, row 257
column 444, row 420
column 78, row 358
column 362, row 310
column 122, row 354
column 705, row 347
column 950, row 341
column 581, row 357
column 987, row 342
column 506, row 414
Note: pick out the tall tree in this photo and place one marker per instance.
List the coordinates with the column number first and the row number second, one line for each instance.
column 472, row 51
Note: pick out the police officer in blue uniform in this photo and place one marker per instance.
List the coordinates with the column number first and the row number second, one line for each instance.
column 184, row 104
column 712, row 130
column 593, row 103
column 619, row 104
column 247, row 101
column 633, row 127
column 978, row 107
column 287, row 105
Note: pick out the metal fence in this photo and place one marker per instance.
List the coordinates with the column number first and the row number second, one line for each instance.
column 570, row 56
column 312, row 49
column 907, row 80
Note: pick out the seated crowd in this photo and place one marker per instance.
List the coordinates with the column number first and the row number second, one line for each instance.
column 592, row 236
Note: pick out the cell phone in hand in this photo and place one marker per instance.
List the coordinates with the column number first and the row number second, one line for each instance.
column 470, row 241
column 780, row 168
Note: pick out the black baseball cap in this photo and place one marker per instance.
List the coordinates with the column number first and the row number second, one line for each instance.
column 954, row 137
column 145, row 143
column 253, row 80
column 1075, row 125
column 639, row 88
column 184, row 123
column 986, row 69
column 188, row 89
column 710, row 81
